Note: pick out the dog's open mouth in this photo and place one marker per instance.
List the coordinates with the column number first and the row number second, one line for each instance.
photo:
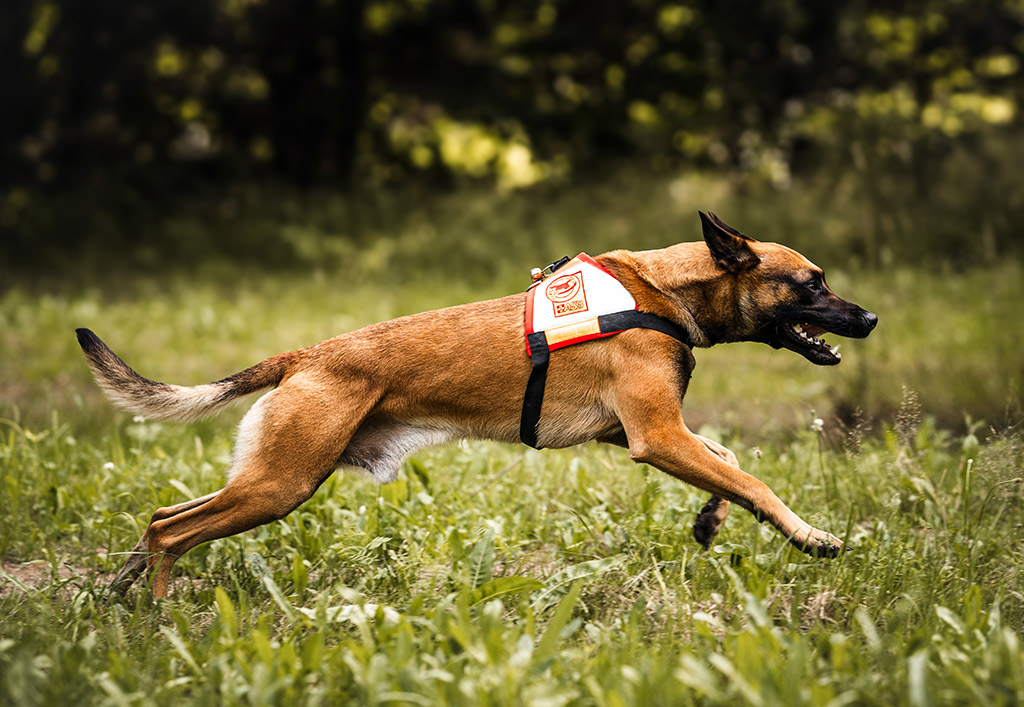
column 804, row 338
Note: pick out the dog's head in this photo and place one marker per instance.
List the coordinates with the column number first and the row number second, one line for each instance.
column 780, row 296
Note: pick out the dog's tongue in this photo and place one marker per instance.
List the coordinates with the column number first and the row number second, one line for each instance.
column 814, row 331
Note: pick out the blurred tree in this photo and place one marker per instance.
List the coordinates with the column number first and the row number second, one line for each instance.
column 156, row 95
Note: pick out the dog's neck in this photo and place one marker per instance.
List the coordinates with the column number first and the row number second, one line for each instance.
column 669, row 281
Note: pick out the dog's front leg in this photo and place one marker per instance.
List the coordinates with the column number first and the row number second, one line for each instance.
column 677, row 451
column 657, row 435
column 712, row 516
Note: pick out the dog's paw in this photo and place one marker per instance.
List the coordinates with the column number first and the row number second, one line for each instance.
column 710, row 520
column 705, row 529
column 818, row 543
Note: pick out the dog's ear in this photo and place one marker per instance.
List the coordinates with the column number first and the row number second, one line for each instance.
column 730, row 248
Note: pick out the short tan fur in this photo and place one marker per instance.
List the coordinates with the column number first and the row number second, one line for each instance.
column 369, row 397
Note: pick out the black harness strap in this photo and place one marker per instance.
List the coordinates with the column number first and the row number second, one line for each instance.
column 534, row 396
column 613, row 323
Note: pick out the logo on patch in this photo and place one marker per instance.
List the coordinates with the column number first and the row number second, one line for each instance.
column 567, row 295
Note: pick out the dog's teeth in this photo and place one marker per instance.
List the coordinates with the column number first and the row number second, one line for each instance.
column 835, row 350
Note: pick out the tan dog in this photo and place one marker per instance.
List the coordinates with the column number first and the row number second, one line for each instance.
column 370, row 397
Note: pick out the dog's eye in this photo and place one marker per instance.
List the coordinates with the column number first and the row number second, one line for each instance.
column 815, row 285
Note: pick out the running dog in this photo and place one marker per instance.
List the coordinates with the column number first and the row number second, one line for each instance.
column 371, row 397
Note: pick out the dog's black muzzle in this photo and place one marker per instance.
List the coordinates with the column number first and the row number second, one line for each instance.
column 799, row 328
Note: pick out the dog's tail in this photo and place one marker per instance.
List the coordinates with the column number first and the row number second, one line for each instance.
column 161, row 401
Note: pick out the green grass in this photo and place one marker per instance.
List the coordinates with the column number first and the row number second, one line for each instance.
column 493, row 574
column 953, row 338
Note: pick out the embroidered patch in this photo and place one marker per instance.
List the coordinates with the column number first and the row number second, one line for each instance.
column 567, row 294
column 566, row 305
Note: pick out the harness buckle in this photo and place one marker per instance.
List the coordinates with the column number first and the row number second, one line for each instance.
column 539, row 275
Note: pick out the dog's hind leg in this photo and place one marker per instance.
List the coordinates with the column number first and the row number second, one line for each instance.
column 288, row 445
column 240, row 506
column 135, row 565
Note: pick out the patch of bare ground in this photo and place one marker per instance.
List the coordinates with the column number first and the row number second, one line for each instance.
column 38, row 575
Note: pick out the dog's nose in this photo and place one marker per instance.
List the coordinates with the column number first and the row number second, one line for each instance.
column 870, row 319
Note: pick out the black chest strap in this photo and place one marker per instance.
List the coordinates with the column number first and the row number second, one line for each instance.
column 612, row 323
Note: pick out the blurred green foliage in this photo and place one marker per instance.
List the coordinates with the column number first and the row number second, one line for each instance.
column 952, row 337
column 117, row 116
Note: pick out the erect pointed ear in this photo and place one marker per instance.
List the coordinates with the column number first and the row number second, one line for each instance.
column 730, row 248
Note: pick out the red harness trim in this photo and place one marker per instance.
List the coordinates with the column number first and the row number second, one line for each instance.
column 539, row 349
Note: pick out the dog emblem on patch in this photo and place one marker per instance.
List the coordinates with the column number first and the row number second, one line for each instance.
column 567, row 294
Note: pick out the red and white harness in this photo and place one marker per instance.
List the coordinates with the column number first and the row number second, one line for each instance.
column 570, row 302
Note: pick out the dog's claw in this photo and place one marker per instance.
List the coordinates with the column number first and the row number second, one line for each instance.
column 826, row 551
column 818, row 543
column 132, row 569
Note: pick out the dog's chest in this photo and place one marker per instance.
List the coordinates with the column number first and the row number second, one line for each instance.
column 565, row 428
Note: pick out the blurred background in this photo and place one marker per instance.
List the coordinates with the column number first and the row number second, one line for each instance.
column 208, row 182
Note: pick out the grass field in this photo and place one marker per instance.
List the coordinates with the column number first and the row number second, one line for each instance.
column 492, row 574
